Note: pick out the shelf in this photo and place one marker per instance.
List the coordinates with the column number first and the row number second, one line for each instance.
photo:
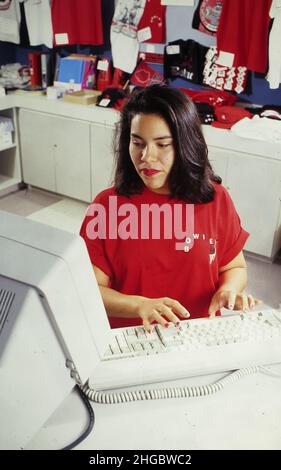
column 6, row 182
column 7, row 147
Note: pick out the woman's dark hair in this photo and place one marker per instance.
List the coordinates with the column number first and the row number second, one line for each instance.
column 191, row 176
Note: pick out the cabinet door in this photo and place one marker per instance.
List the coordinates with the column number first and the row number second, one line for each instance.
column 72, row 158
column 219, row 160
column 255, row 186
column 102, row 157
column 37, row 149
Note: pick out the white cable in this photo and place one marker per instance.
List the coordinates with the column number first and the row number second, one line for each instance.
column 269, row 372
column 170, row 392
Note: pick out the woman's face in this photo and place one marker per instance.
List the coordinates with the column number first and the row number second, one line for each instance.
column 152, row 151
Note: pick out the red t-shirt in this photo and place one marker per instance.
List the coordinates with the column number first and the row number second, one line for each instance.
column 243, row 30
column 76, row 22
column 154, row 17
column 153, row 267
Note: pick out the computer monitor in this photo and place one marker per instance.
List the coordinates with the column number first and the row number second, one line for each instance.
column 51, row 313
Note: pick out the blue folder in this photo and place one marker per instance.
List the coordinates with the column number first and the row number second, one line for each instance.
column 71, row 70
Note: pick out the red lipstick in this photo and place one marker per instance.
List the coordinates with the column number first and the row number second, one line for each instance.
column 150, row 172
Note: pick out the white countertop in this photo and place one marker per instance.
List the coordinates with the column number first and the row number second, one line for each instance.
column 220, row 138
column 244, row 415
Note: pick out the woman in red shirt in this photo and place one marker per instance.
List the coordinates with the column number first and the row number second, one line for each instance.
column 166, row 241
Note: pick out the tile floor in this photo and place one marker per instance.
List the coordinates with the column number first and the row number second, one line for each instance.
column 264, row 277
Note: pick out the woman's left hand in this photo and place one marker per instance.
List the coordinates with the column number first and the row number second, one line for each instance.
column 233, row 301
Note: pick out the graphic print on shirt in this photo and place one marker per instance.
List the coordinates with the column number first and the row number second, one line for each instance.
column 127, row 16
column 207, row 15
column 213, row 249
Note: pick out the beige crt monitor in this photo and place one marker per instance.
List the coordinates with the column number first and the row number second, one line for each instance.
column 50, row 311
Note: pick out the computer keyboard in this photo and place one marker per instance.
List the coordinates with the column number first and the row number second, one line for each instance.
column 200, row 346
column 196, row 334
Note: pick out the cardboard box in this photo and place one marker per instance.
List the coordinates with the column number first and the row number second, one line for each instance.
column 82, row 96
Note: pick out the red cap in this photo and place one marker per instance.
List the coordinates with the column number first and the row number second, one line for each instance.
column 227, row 116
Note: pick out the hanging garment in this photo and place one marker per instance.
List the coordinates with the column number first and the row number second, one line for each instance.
column 207, row 15
column 77, row 22
column 123, row 33
column 185, row 59
column 153, row 22
column 221, row 77
column 243, row 32
column 274, row 55
column 39, row 22
column 10, row 21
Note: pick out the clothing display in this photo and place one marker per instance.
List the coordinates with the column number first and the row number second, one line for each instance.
column 227, row 116
column 10, row 21
column 39, row 22
column 153, row 267
column 80, row 23
column 153, row 22
column 205, row 112
column 123, row 33
column 144, row 75
column 243, row 32
column 112, row 98
column 212, row 97
column 207, row 15
column 271, row 111
column 274, row 56
column 184, row 59
column 222, row 77
column 260, row 128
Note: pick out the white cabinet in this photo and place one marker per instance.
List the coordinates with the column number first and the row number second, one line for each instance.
column 10, row 169
column 254, row 184
column 56, row 153
column 101, row 157
column 219, row 161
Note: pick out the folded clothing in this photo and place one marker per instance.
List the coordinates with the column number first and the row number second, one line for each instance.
column 227, row 116
column 259, row 128
column 206, row 112
column 212, row 97
column 144, row 75
column 6, row 124
column 112, row 98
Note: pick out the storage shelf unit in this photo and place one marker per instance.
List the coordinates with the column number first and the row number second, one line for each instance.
column 10, row 169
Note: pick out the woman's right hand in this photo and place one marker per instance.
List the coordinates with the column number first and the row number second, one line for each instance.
column 162, row 310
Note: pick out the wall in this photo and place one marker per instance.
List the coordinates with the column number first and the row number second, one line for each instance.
column 178, row 23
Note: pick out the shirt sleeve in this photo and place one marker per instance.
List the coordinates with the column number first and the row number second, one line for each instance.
column 95, row 245
column 232, row 237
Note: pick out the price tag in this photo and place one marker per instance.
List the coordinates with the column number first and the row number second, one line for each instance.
column 102, row 65
column 61, row 38
column 173, row 49
column 144, row 34
column 225, row 59
column 105, row 102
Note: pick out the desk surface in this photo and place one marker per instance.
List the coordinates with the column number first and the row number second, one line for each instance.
column 244, row 415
